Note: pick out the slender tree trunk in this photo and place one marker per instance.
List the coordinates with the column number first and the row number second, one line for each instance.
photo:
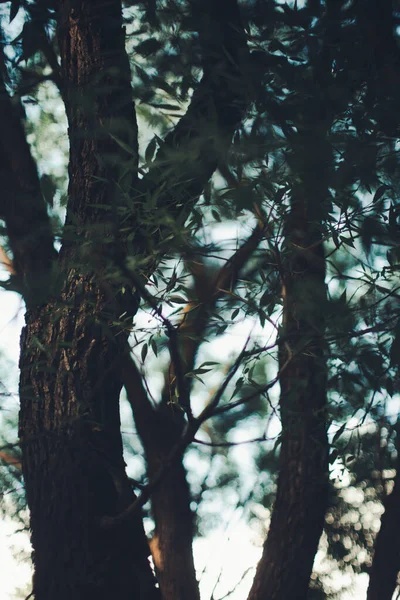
column 70, row 356
column 172, row 543
column 171, row 546
column 298, row 515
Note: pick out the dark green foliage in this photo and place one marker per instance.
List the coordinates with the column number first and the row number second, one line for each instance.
column 313, row 119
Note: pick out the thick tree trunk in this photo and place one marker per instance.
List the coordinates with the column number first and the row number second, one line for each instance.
column 383, row 575
column 298, row 515
column 72, row 454
column 70, row 348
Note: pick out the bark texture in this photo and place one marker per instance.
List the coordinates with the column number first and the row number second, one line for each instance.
column 71, row 346
column 172, row 543
column 298, row 515
column 383, row 574
column 72, row 454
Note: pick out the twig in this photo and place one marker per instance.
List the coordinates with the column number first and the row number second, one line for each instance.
column 262, row 438
column 173, row 335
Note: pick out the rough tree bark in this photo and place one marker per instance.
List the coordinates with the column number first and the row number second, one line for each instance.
column 297, row 518
column 70, row 354
column 383, row 575
column 171, row 544
column 303, row 483
column 73, row 346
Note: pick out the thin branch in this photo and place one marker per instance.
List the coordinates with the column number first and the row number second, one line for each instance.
column 262, row 438
column 212, row 405
column 233, row 590
column 208, row 291
column 262, row 390
column 138, row 398
column 173, row 337
column 191, row 428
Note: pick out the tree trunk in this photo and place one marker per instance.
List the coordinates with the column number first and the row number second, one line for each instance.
column 71, row 346
column 72, row 454
column 386, row 560
column 298, row 515
column 377, row 25
column 160, row 429
column 172, row 543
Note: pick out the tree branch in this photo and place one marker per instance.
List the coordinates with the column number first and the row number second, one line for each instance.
column 177, row 450
column 209, row 289
column 22, row 205
column 139, row 400
column 192, row 151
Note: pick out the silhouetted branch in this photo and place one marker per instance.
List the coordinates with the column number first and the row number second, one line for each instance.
column 138, row 398
column 192, row 151
column 177, row 450
column 22, row 205
column 208, row 290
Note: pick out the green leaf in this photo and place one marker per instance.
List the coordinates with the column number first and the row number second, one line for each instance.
column 15, row 6
column 150, row 46
column 338, row 433
column 379, row 192
column 154, row 347
column 144, row 351
column 347, row 240
column 199, row 371
column 239, row 383
column 333, row 456
column 178, row 299
column 123, row 145
column 164, row 106
column 150, row 150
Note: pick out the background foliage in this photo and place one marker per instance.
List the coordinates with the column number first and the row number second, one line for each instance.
column 322, row 106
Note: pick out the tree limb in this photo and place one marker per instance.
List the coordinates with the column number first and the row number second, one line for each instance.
column 208, row 290
column 22, row 205
column 177, row 450
column 192, row 151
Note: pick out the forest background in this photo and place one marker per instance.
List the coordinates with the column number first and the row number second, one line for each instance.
column 200, row 214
